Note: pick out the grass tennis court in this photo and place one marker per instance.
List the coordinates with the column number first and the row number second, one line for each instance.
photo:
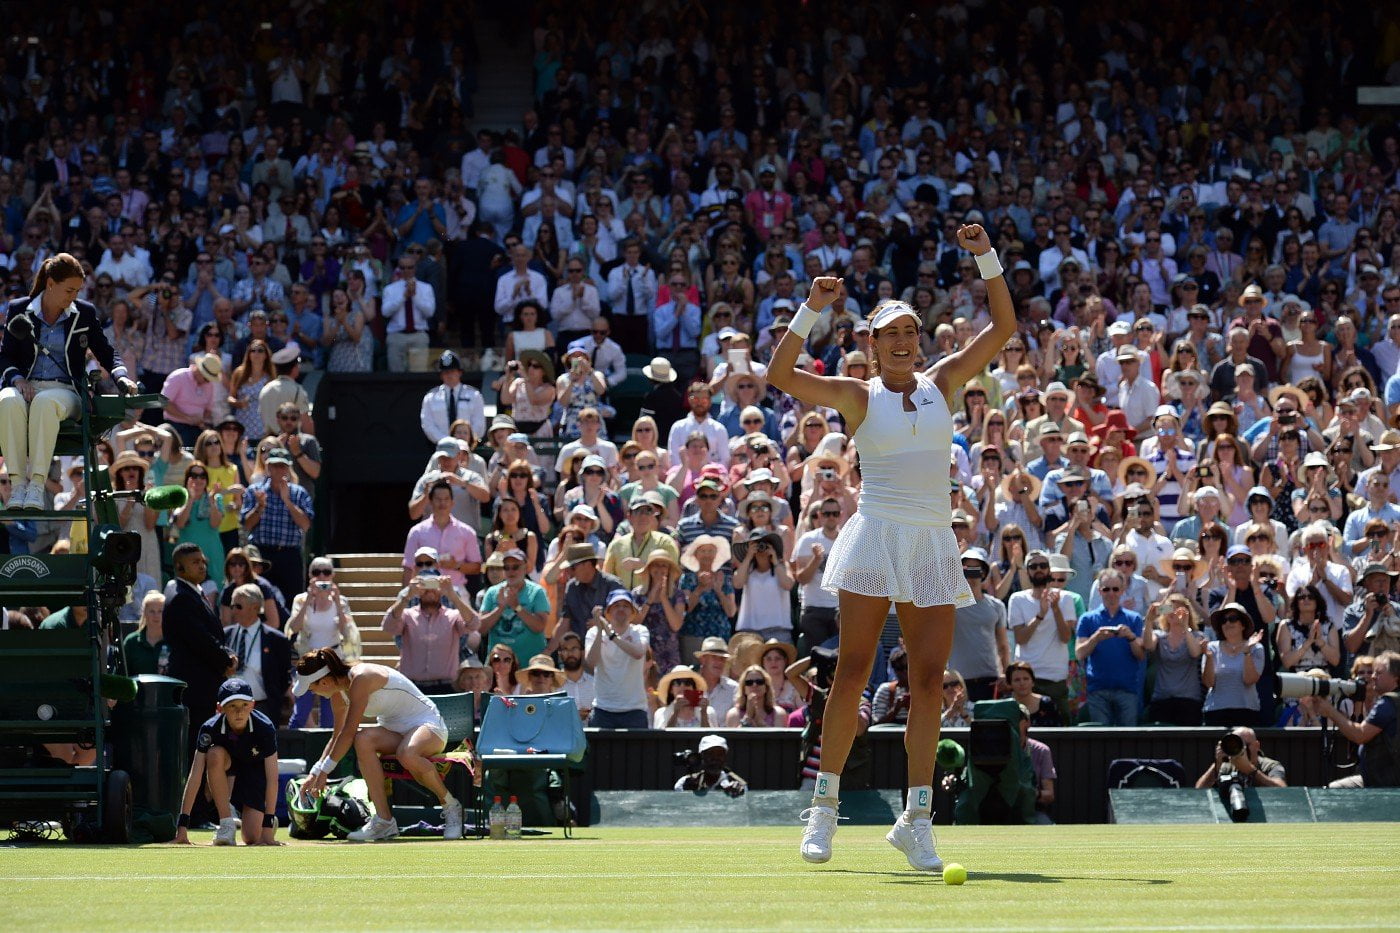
column 1286, row 877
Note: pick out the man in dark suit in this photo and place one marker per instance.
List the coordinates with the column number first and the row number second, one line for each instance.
column 196, row 639
column 264, row 654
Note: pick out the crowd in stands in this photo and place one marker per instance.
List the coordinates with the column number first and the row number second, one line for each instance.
column 1179, row 479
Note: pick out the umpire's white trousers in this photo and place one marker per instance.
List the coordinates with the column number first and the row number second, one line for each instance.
column 29, row 430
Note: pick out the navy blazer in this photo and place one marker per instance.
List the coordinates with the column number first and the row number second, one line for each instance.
column 276, row 667
column 18, row 353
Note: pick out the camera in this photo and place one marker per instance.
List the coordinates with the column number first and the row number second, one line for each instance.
column 1231, row 744
column 1288, row 417
column 431, row 583
column 323, row 585
column 1293, row 686
column 826, row 474
column 687, row 759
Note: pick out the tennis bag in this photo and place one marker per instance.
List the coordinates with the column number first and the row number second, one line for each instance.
column 547, row 724
column 342, row 809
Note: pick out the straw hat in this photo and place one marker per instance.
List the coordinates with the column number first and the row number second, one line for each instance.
column 540, row 662
column 829, row 452
column 743, row 651
column 1130, row 462
column 679, row 672
column 722, row 552
column 1030, row 478
column 129, row 459
column 1219, row 616
column 1184, row 555
column 526, row 356
column 1293, row 392
column 758, row 535
column 786, row 648
column 753, row 499
column 663, row 555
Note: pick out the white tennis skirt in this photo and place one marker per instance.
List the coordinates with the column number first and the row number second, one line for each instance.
column 916, row 564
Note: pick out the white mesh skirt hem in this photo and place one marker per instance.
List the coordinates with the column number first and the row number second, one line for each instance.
column 917, row 564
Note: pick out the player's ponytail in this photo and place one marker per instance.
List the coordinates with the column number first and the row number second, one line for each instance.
column 326, row 659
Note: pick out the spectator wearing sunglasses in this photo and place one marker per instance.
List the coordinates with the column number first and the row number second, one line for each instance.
column 1109, row 642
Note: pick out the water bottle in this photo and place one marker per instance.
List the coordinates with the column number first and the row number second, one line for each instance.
column 513, row 820
column 497, row 820
column 163, row 662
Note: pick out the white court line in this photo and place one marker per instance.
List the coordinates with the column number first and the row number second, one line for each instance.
column 816, row 873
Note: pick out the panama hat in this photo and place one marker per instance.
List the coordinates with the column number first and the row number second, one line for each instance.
column 210, row 366
column 713, row 645
column 659, row 370
column 722, row 552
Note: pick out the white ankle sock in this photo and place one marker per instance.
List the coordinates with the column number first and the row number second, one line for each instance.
column 919, row 803
column 449, row 800
column 828, row 789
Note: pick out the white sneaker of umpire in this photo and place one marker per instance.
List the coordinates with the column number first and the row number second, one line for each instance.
column 376, row 830
column 227, row 833
column 816, row 838
column 915, row 838
column 452, row 820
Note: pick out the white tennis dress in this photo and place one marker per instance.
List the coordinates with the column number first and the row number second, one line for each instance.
column 401, row 707
column 900, row 542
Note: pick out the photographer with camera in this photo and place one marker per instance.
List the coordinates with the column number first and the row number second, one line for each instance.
column 430, row 633
column 1237, row 757
column 1377, row 736
column 710, row 760
column 1371, row 624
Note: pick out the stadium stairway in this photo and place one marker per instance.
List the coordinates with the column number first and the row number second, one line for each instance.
column 370, row 582
column 505, row 77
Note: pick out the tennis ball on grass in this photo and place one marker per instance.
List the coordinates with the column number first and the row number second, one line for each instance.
column 953, row 873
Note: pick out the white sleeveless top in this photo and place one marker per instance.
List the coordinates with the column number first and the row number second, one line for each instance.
column 903, row 466
column 401, row 707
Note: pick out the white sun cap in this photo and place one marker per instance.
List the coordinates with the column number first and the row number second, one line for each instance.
column 893, row 311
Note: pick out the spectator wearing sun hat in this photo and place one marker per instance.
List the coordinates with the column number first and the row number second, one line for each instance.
column 190, row 392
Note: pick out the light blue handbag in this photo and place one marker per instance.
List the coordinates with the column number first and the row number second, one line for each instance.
column 547, row 724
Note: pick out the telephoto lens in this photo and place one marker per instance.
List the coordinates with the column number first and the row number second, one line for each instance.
column 1231, row 744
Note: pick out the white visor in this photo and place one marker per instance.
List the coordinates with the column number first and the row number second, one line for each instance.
column 304, row 681
column 892, row 312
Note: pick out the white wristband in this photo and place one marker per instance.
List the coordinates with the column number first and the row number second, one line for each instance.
column 988, row 264
column 804, row 321
column 325, row 765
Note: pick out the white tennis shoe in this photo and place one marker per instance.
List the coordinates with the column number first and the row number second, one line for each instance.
column 452, row 820
column 376, row 830
column 916, row 839
column 816, row 838
column 227, row 833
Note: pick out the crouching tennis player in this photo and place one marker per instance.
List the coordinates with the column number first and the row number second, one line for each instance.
column 410, row 728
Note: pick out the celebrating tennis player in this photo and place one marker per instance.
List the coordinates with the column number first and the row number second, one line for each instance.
column 899, row 546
